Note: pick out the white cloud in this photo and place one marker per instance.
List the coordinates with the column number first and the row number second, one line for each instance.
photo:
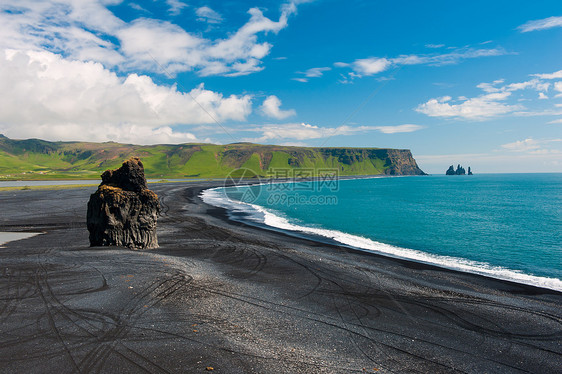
column 47, row 96
column 370, row 66
column 150, row 44
column 87, row 30
column 435, row 46
column 316, row 72
column 478, row 108
column 555, row 75
column 60, row 27
column 271, row 108
column 175, row 6
column 241, row 53
column 375, row 65
column 206, row 14
column 138, row 7
column 556, row 121
column 528, row 144
column 303, row 131
column 532, row 146
column 541, row 24
column 298, row 131
column 311, row 73
column 493, row 102
column 398, row 129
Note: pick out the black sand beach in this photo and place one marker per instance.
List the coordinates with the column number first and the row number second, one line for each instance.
column 238, row 299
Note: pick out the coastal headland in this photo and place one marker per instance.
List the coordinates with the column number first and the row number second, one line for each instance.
column 35, row 159
column 222, row 296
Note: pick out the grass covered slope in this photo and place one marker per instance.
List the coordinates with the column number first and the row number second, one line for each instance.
column 39, row 159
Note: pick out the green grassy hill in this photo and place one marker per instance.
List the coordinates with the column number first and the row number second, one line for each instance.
column 39, row 159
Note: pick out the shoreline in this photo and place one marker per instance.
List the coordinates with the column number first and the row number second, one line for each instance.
column 243, row 217
column 242, row 299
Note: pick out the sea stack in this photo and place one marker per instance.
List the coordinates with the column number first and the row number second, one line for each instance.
column 123, row 211
column 460, row 170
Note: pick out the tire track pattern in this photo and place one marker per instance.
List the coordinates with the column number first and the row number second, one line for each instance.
column 243, row 300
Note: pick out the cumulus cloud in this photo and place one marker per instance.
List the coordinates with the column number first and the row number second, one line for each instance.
column 271, row 107
column 304, row 131
column 206, row 14
column 555, row 75
column 494, row 101
column 478, row 108
column 87, row 30
column 532, row 146
column 175, row 6
column 370, row 66
column 149, row 43
column 375, row 65
column 541, row 24
column 45, row 95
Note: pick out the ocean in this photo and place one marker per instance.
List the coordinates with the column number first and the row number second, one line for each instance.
column 507, row 226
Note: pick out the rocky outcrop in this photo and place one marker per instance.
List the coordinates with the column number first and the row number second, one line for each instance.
column 460, row 170
column 123, row 211
column 396, row 161
column 401, row 162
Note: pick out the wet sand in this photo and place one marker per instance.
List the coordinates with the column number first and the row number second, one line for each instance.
column 239, row 299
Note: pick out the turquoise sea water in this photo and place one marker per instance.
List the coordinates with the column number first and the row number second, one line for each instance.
column 507, row 226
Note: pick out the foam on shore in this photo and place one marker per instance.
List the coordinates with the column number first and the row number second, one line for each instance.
column 261, row 215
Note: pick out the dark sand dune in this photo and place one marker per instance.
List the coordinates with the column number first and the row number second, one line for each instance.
column 241, row 300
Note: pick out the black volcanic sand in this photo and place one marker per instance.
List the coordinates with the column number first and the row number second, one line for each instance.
column 241, row 299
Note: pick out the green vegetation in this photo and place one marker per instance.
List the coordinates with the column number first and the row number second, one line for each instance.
column 35, row 159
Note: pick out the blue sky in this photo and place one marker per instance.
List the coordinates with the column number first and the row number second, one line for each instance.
column 477, row 83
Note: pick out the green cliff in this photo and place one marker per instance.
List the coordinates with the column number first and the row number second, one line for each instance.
column 39, row 159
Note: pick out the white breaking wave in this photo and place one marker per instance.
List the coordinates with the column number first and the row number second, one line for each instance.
column 259, row 214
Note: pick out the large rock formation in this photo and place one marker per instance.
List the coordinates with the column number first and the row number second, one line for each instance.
column 123, row 211
column 460, row 170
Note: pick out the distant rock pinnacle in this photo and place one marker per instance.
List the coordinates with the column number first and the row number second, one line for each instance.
column 460, row 170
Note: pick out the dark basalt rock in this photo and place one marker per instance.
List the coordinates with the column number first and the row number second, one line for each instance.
column 129, row 177
column 460, row 170
column 123, row 211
